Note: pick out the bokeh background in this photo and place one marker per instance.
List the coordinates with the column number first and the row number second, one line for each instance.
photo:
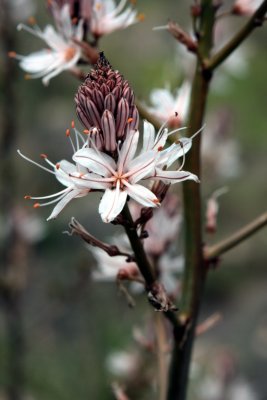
column 57, row 326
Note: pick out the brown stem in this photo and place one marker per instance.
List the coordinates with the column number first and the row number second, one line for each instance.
column 195, row 272
column 212, row 252
column 255, row 21
column 161, row 355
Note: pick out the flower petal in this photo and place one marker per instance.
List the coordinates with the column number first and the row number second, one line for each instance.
column 90, row 181
column 142, row 195
column 142, row 166
column 149, row 136
column 95, row 161
column 171, row 177
column 66, row 199
column 112, row 203
column 128, row 150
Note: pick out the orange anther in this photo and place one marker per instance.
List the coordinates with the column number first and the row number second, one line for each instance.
column 86, row 131
column 72, row 124
column 12, row 54
column 81, row 175
column 160, row 148
column 67, row 132
column 36, row 205
column 57, row 165
column 129, row 120
column 32, row 20
column 141, row 17
column 156, row 201
column 27, row 197
column 44, row 156
column 69, row 53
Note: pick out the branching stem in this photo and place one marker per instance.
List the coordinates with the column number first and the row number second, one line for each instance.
column 212, row 252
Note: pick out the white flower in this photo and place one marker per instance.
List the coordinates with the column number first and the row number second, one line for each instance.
column 246, row 7
column 120, row 178
column 108, row 17
column 63, row 170
column 62, row 53
column 173, row 107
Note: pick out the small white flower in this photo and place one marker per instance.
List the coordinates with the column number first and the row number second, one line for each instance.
column 173, row 107
column 108, row 17
column 120, row 178
column 62, row 53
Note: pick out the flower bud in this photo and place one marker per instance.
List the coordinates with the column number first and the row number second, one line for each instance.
column 106, row 101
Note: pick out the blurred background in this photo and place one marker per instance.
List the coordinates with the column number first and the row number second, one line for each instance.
column 57, row 326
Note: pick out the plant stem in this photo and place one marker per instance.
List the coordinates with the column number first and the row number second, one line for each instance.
column 138, row 249
column 195, row 271
column 212, row 252
column 161, row 355
column 255, row 21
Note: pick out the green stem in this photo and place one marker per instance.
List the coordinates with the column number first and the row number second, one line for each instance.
column 195, row 271
column 256, row 20
column 212, row 252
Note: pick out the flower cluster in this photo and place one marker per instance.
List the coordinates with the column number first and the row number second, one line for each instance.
column 107, row 158
column 65, row 45
column 63, row 51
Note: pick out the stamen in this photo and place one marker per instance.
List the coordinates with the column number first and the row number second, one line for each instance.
column 86, row 131
column 58, row 194
column 12, row 54
column 197, row 132
column 32, row 20
column 44, row 156
column 36, row 205
column 129, row 120
column 183, row 162
column 160, row 28
column 57, row 165
column 35, row 163
column 67, row 132
column 72, row 124
column 141, row 17
column 27, row 197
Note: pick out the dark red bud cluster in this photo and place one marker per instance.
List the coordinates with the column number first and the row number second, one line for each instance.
column 105, row 101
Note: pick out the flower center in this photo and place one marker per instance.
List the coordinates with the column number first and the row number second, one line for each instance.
column 69, row 53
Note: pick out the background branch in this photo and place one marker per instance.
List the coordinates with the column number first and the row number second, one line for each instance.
column 212, row 252
column 255, row 21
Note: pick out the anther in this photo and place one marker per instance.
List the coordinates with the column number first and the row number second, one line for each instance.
column 156, row 201
column 27, row 197
column 141, row 17
column 160, row 148
column 12, row 54
column 32, row 20
column 74, row 20
column 44, row 156
column 67, row 132
column 86, row 131
column 72, row 124
column 36, row 205
column 129, row 120
column 57, row 165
